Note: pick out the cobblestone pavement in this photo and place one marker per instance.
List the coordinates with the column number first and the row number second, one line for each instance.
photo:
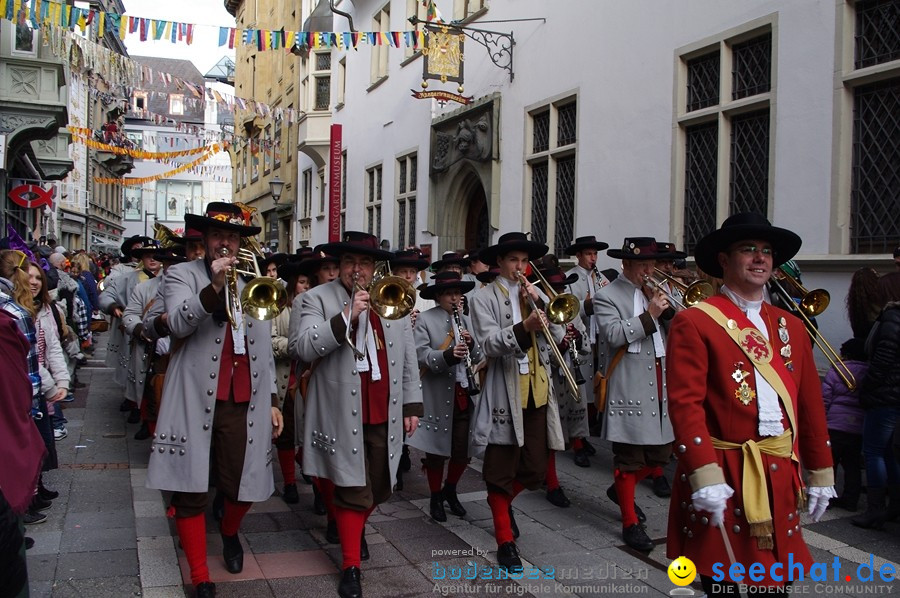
column 107, row 535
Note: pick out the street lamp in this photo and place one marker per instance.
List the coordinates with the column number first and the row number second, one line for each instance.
column 276, row 185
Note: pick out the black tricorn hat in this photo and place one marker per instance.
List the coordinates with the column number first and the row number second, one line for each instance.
column 450, row 258
column 555, row 277
column 588, row 242
column 638, row 248
column 745, row 226
column 130, row 242
column 150, row 247
column 444, row 281
column 673, row 253
column 409, row 258
column 171, row 255
column 357, row 242
column 513, row 242
column 488, row 276
column 224, row 215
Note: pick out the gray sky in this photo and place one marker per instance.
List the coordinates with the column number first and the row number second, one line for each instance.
column 204, row 52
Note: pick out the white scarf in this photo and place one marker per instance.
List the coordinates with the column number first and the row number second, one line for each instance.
column 237, row 333
column 365, row 343
column 639, row 307
column 766, row 397
column 513, row 289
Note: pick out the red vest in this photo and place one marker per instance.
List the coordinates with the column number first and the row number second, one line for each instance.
column 375, row 394
column 234, row 371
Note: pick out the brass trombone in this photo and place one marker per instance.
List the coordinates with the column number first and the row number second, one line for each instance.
column 812, row 303
column 263, row 298
column 692, row 294
column 567, row 373
column 391, row 297
column 165, row 235
column 563, row 307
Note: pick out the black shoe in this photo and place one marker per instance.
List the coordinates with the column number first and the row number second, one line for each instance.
column 363, row 547
column 45, row 493
column 452, row 499
column 512, row 523
column 331, row 533
column 405, row 463
column 289, row 494
column 39, row 504
column 875, row 514
column 29, row 543
column 611, row 493
column 558, row 497
column 350, row 586
column 143, row 433
column 399, row 485
column 33, row 517
column 437, row 507
column 207, row 589
column 581, row 458
column 134, row 417
column 661, row 487
column 508, row 556
column 588, row 447
column 318, row 503
column 637, row 538
column 233, row 553
column 125, row 406
column 219, row 506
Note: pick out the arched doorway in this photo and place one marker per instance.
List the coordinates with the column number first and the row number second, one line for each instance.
column 477, row 220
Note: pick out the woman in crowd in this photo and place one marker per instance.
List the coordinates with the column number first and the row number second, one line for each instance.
column 862, row 302
column 880, row 397
column 81, row 271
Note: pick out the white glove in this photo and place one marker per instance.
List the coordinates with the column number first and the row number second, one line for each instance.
column 713, row 499
column 818, row 498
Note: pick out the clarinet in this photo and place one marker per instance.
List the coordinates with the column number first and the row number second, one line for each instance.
column 576, row 363
column 597, row 278
column 470, row 374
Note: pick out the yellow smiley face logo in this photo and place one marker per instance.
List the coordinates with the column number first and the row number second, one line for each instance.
column 682, row 571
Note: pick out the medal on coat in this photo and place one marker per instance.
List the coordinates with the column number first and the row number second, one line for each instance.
column 743, row 393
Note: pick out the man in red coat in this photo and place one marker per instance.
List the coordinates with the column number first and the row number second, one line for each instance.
column 746, row 408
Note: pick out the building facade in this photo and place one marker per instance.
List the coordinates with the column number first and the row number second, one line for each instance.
column 630, row 118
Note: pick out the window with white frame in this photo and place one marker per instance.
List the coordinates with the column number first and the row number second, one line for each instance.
column 341, row 81
column 418, row 9
column 550, row 163
column 381, row 23
column 871, row 106
column 176, row 104
column 463, row 9
column 373, row 200
column 322, row 194
column 321, row 80
column 306, row 190
column 407, row 175
column 723, row 119
column 139, row 102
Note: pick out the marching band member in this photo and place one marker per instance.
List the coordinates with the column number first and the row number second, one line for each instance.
column 219, row 397
column 632, row 354
column 746, row 403
column 444, row 350
column 588, row 284
column 516, row 416
column 357, row 408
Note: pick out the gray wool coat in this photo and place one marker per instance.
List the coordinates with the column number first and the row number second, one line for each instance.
column 498, row 409
column 438, row 379
column 332, row 428
column 634, row 414
column 179, row 457
column 117, row 293
column 132, row 318
column 574, row 415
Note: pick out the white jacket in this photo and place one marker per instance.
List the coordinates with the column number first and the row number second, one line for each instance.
column 54, row 371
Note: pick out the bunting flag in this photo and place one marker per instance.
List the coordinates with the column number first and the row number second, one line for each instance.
column 130, row 182
column 82, row 135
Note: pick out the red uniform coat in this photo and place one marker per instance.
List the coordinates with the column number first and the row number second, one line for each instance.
column 702, row 404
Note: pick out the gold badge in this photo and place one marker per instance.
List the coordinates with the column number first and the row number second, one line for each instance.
column 732, row 325
column 755, row 345
column 744, row 393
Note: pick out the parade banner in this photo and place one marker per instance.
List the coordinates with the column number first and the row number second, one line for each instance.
column 334, row 185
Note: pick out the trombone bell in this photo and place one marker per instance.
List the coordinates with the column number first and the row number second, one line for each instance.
column 263, row 298
column 563, row 308
column 392, row 297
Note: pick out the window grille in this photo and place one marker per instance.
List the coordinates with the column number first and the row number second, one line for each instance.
column 751, row 67
column 565, row 204
column 323, row 93
column 565, row 128
column 700, row 182
column 539, row 202
column 749, row 184
column 877, row 32
column 703, row 82
column 541, row 135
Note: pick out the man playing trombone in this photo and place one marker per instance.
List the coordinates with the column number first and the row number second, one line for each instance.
column 219, row 396
column 363, row 393
column 747, row 411
column 516, row 417
column 447, row 355
column 631, row 349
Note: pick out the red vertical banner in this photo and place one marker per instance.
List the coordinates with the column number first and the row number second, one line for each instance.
column 334, row 185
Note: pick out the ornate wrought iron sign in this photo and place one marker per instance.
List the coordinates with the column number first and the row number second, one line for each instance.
column 444, row 55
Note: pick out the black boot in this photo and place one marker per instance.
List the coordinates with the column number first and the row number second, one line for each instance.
column 399, row 485
column 581, row 458
column 219, row 506
column 135, row 416
column 350, row 586
column 875, row 513
column 661, row 487
column 363, row 547
column 613, row 496
column 452, row 499
column 558, row 497
column 207, row 589
column 318, row 503
column 405, row 463
column 45, row 492
column 331, row 533
column 233, row 553
column 437, row 507
column 508, row 557
column 512, row 523
column 143, row 433
column 588, row 447
column 637, row 538
column 289, row 494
